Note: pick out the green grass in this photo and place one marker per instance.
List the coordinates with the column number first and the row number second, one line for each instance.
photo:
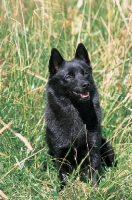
column 29, row 29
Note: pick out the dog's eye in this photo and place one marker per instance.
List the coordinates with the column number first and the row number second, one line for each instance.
column 70, row 75
column 86, row 73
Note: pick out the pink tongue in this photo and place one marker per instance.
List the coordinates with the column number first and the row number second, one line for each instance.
column 84, row 95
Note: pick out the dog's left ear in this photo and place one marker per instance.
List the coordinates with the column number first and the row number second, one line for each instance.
column 82, row 54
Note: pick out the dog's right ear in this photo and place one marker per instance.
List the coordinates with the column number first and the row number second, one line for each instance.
column 82, row 54
column 55, row 61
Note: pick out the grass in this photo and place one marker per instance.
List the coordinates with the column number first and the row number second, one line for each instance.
column 29, row 29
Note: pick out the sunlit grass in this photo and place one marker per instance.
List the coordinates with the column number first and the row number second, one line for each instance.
column 29, row 29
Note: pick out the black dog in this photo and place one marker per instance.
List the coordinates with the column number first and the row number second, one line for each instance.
column 73, row 116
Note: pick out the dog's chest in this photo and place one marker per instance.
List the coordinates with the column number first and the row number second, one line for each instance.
column 74, row 128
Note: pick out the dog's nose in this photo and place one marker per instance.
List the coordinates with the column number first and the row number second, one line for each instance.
column 85, row 85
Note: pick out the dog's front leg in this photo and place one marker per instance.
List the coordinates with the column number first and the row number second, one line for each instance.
column 94, row 141
column 63, row 173
column 95, row 165
column 62, row 166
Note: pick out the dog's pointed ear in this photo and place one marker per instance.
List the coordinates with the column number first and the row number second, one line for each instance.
column 55, row 61
column 82, row 54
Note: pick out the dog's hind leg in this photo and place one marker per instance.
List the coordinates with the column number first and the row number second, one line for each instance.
column 107, row 153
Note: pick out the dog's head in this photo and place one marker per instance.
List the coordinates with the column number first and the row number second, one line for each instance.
column 74, row 77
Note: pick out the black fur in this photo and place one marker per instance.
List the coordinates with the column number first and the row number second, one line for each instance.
column 73, row 116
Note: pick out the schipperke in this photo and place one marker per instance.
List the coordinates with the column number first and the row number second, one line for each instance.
column 73, row 117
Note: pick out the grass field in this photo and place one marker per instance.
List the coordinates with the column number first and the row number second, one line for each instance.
column 29, row 29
